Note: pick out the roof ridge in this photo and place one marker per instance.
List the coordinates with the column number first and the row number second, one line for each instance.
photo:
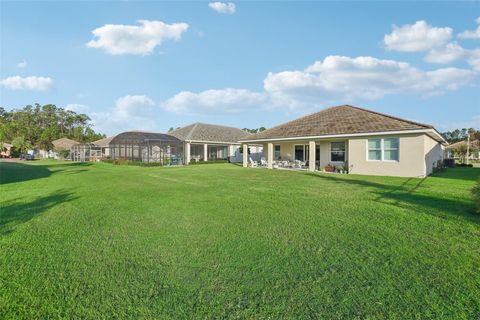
column 297, row 119
column 195, row 125
column 390, row 116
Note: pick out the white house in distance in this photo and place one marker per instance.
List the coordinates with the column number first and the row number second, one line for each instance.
column 205, row 142
column 360, row 140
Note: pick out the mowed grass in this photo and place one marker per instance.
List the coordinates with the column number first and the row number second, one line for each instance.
column 220, row 241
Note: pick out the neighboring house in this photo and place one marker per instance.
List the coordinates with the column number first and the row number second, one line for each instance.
column 62, row 143
column 104, row 144
column 458, row 150
column 6, row 151
column 364, row 141
column 205, row 142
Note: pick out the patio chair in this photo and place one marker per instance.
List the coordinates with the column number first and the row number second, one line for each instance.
column 253, row 164
column 263, row 162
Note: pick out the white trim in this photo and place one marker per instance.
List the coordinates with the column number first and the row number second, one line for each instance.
column 382, row 150
column 380, row 133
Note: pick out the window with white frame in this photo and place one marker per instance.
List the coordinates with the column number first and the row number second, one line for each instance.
column 383, row 149
column 337, row 151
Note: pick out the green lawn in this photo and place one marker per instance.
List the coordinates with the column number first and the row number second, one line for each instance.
column 220, row 241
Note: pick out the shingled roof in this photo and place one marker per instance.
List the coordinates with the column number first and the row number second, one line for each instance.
column 343, row 119
column 209, row 132
column 63, row 143
column 104, row 142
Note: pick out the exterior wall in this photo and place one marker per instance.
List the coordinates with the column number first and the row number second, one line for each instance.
column 412, row 157
column 434, row 152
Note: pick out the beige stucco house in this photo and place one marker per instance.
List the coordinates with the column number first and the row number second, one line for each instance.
column 364, row 141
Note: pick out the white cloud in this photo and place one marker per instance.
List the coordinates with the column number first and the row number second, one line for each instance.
column 344, row 78
column 129, row 113
column 222, row 7
column 446, row 54
column 117, row 39
column 475, row 34
column 336, row 79
column 417, row 37
column 22, row 64
column 215, row 101
column 78, row 108
column 474, row 59
column 27, row 83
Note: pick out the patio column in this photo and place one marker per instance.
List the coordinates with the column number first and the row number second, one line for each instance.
column 187, row 153
column 231, row 152
column 205, row 152
column 311, row 156
column 245, row 155
column 270, row 156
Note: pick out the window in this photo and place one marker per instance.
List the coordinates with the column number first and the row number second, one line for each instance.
column 276, row 153
column 337, row 151
column 301, row 152
column 375, row 149
column 385, row 149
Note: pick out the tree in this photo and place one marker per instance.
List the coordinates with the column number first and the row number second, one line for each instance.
column 40, row 125
column 21, row 144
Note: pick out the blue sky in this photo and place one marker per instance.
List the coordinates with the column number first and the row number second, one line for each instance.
column 155, row 65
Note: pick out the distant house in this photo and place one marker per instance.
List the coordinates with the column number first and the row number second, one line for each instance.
column 62, row 143
column 210, row 142
column 456, row 150
column 354, row 139
column 104, row 144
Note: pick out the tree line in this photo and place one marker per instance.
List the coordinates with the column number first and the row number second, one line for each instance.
column 461, row 134
column 37, row 126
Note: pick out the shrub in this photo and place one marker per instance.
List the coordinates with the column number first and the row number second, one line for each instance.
column 476, row 195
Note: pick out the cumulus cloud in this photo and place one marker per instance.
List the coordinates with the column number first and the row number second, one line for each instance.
column 22, row 64
column 32, row 83
column 215, row 101
column 78, row 108
column 336, row 79
column 417, row 37
column 471, row 34
column 447, row 54
column 222, row 7
column 117, row 39
column 129, row 113
column 345, row 78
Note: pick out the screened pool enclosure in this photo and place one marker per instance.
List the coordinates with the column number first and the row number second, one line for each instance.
column 147, row 147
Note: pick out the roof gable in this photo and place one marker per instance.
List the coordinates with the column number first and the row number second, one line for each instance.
column 343, row 119
column 64, row 143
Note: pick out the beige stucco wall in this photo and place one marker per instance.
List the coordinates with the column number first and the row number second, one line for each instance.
column 416, row 156
column 434, row 152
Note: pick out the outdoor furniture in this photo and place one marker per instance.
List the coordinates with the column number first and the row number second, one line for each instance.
column 253, row 164
column 263, row 162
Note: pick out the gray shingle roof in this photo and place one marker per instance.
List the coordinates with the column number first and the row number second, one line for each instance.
column 105, row 142
column 343, row 119
column 63, row 143
column 209, row 133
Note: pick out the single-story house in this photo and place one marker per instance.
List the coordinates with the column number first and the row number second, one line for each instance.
column 354, row 139
column 458, row 150
column 211, row 142
column 104, row 144
column 62, row 143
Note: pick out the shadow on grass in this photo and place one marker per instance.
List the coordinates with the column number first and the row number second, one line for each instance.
column 406, row 195
column 14, row 213
column 460, row 173
column 11, row 172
